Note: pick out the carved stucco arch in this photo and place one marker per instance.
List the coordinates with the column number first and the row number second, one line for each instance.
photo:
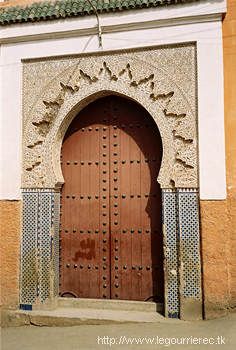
column 82, row 82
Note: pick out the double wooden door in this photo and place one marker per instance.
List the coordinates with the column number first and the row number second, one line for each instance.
column 111, row 226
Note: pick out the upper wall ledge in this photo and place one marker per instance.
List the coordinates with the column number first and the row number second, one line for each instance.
column 179, row 14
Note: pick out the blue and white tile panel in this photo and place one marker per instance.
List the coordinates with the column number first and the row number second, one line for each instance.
column 56, row 223
column 29, row 248
column 40, row 228
column 170, row 232
column 189, row 248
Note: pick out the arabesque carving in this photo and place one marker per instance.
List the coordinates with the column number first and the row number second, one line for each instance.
column 162, row 80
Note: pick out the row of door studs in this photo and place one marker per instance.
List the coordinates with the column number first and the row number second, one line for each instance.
column 104, row 163
column 104, row 128
column 116, row 267
column 116, row 196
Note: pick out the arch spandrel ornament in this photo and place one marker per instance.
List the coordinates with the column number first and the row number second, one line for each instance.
column 166, row 90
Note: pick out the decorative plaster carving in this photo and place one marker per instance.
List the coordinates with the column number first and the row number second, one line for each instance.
column 162, row 80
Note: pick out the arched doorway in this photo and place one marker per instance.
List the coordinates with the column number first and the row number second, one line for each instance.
column 111, row 222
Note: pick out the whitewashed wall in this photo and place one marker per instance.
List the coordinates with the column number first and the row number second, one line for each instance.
column 199, row 22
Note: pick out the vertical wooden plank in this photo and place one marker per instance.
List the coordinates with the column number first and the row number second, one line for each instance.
column 105, row 201
column 84, row 216
column 156, row 214
column 125, row 258
column 74, row 208
column 93, row 238
column 147, row 281
column 125, row 214
column 136, row 209
column 115, row 200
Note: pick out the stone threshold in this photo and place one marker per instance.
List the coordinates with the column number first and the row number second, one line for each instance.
column 74, row 312
column 109, row 304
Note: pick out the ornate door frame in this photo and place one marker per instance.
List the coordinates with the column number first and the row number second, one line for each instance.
column 163, row 81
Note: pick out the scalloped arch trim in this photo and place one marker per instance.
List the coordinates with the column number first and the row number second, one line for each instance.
column 69, row 84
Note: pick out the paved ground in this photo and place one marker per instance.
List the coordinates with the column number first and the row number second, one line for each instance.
column 214, row 334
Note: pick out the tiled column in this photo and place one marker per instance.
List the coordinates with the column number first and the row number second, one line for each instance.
column 189, row 255
column 170, row 237
column 182, row 266
column 29, row 247
column 39, row 247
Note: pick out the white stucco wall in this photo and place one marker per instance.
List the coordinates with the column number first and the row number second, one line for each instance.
column 198, row 22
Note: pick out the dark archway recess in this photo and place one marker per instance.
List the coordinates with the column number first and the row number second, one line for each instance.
column 111, row 242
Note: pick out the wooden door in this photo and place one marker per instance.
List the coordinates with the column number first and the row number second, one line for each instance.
column 111, row 221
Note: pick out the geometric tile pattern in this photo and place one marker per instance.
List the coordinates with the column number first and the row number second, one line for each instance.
column 40, row 227
column 28, row 273
column 189, row 243
column 56, row 219
column 44, row 234
column 170, row 232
